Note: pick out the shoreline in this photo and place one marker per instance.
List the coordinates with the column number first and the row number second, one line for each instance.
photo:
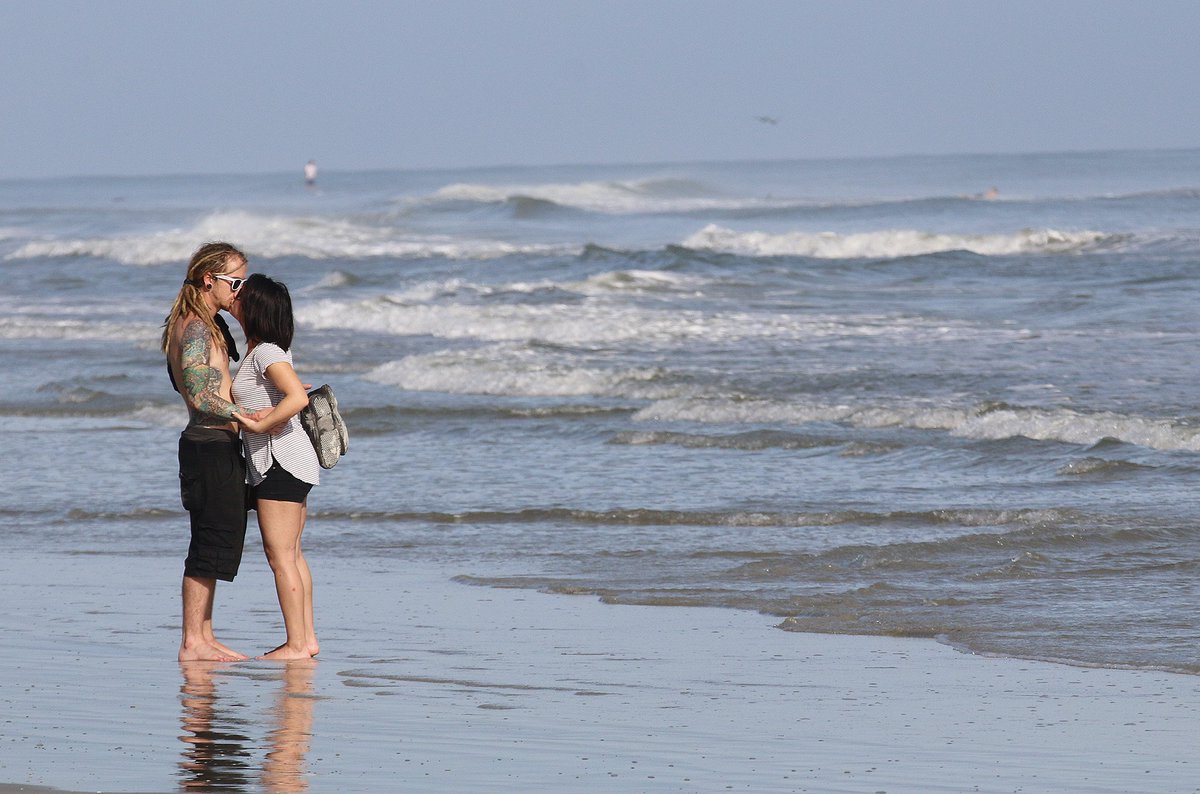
column 430, row 684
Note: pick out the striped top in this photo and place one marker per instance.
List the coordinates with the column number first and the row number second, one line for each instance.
column 253, row 390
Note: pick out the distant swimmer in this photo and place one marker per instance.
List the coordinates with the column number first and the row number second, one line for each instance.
column 987, row 195
column 310, row 172
column 767, row 120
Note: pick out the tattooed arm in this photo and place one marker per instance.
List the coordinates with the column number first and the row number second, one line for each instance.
column 201, row 381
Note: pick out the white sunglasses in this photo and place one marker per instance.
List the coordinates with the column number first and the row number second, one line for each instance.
column 235, row 284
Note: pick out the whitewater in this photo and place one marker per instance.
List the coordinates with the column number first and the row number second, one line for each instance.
column 860, row 396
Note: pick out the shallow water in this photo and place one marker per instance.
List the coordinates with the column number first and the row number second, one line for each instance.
column 844, row 393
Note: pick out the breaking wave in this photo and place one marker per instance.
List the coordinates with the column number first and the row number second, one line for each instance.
column 591, row 323
column 273, row 236
column 515, row 372
column 613, row 197
column 893, row 243
column 985, row 422
column 964, row 517
column 72, row 328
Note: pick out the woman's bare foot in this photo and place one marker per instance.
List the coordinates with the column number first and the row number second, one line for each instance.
column 314, row 647
column 286, row 653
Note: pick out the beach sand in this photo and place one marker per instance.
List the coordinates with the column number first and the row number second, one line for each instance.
column 425, row 684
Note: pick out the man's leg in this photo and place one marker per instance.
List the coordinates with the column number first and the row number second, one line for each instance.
column 212, row 478
column 198, row 643
column 208, row 630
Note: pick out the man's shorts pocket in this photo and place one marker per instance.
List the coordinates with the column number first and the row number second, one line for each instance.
column 191, row 491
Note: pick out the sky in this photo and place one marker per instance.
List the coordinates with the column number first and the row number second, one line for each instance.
column 247, row 86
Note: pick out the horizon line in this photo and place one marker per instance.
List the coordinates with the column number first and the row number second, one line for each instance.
column 598, row 164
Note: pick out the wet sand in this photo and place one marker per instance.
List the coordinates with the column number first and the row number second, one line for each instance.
column 429, row 685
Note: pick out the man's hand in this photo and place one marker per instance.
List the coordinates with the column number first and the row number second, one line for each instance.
column 257, row 420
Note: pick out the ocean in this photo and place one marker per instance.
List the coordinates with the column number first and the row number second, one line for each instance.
column 858, row 396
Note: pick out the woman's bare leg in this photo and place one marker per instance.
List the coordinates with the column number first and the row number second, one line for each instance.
column 280, row 524
column 310, row 630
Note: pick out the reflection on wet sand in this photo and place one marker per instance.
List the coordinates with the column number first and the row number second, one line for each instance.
column 220, row 753
column 284, row 769
column 216, row 756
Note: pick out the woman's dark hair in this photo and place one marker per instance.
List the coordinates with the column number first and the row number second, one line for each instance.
column 266, row 311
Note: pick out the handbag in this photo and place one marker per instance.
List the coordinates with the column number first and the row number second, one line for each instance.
column 324, row 426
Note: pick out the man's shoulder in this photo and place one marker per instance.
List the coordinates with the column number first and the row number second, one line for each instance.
column 199, row 345
column 189, row 320
column 192, row 328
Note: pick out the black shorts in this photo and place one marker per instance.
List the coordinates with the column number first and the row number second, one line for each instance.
column 280, row 485
column 212, row 486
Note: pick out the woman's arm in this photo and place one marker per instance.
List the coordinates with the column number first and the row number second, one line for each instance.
column 295, row 399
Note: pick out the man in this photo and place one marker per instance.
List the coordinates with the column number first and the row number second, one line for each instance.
column 212, row 470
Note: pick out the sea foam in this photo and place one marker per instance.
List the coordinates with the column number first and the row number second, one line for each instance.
column 985, row 423
column 81, row 329
column 615, row 197
column 599, row 322
column 274, row 236
column 515, row 371
column 887, row 244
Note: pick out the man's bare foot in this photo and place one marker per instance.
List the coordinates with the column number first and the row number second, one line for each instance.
column 223, row 648
column 286, row 653
column 226, row 649
column 205, row 652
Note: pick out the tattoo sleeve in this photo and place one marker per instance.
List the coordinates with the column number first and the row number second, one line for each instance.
column 202, row 382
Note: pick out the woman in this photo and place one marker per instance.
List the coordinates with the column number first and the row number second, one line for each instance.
column 281, row 462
